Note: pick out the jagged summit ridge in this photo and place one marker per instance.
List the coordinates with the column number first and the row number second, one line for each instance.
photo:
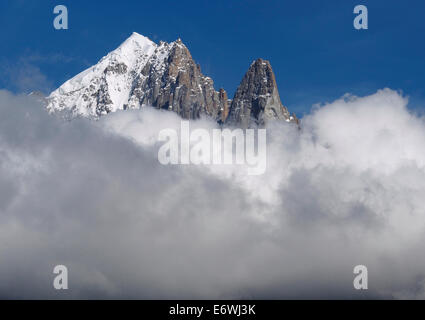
column 142, row 73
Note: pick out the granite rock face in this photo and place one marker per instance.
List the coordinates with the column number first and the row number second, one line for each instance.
column 257, row 98
column 176, row 83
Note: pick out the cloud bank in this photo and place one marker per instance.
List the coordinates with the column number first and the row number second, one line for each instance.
column 346, row 189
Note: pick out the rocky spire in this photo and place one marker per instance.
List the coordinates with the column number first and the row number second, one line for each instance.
column 257, row 98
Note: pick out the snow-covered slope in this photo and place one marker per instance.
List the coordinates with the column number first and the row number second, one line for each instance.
column 106, row 86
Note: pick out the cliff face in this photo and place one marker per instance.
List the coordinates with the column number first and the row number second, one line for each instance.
column 176, row 83
column 141, row 73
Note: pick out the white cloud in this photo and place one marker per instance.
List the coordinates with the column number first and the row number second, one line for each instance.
column 347, row 189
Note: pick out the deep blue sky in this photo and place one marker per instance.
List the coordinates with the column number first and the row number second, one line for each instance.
column 316, row 53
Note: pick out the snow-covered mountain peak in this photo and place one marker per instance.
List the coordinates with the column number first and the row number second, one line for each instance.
column 140, row 72
column 139, row 38
column 136, row 43
column 106, row 86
